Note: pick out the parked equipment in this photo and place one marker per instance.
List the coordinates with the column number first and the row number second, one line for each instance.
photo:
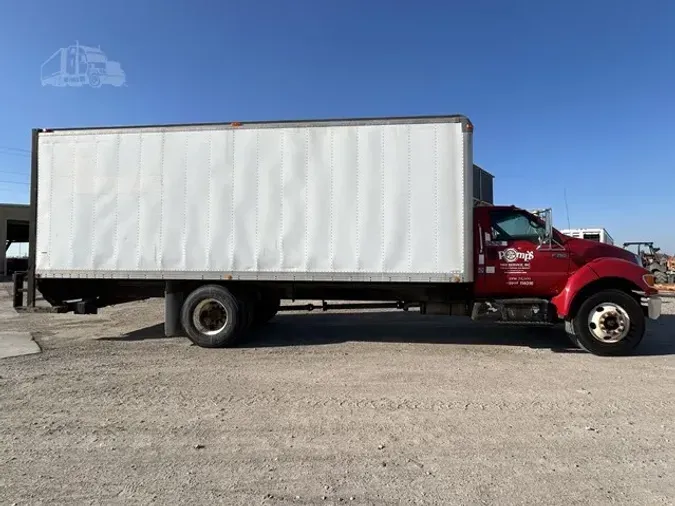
column 591, row 234
column 225, row 220
column 659, row 264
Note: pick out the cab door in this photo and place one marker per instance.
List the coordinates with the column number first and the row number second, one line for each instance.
column 514, row 260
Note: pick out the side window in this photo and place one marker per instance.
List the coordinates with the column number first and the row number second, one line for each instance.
column 514, row 225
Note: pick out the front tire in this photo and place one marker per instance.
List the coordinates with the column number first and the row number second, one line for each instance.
column 211, row 317
column 610, row 322
column 95, row 80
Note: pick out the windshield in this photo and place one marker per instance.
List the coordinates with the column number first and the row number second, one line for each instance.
column 95, row 56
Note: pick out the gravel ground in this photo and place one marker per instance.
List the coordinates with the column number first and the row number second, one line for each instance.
column 359, row 408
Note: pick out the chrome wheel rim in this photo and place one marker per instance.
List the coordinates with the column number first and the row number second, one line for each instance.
column 209, row 317
column 608, row 322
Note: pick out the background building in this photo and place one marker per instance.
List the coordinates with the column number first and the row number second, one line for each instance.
column 14, row 220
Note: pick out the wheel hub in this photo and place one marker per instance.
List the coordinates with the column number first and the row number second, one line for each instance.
column 608, row 323
column 209, row 317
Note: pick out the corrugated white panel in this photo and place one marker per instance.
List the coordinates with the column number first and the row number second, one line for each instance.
column 344, row 202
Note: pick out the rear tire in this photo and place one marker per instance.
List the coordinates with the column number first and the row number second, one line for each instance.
column 211, row 317
column 610, row 322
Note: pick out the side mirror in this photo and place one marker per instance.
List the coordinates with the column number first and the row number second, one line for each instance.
column 546, row 216
column 546, row 236
column 549, row 226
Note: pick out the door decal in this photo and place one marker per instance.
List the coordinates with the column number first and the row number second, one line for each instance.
column 515, row 265
column 511, row 256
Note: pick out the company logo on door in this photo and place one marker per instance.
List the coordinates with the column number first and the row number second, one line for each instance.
column 511, row 255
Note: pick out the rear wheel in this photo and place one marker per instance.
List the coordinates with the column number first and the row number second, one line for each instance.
column 660, row 277
column 211, row 317
column 610, row 322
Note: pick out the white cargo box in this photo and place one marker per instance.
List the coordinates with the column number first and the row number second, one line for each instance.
column 591, row 234
column 353, row 200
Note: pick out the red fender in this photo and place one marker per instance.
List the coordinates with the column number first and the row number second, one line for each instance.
column 604, row 267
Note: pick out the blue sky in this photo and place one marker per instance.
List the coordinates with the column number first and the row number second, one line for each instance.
column 575, row 95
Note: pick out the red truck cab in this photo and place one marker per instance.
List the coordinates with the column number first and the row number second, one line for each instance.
column 600, row 291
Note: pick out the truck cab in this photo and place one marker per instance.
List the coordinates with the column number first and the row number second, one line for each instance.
column 520, row 259
column 514, row 256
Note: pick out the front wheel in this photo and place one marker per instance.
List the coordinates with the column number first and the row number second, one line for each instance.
column 95, row 80
column 610, row 322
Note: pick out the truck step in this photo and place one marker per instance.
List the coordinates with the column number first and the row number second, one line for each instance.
column 518, row 311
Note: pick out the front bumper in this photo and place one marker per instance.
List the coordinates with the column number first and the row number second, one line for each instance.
column 653, row 305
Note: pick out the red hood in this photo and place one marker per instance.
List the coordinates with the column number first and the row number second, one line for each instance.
column 584, row 251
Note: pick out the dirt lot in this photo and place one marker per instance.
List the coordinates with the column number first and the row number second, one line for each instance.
column 370, row 408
